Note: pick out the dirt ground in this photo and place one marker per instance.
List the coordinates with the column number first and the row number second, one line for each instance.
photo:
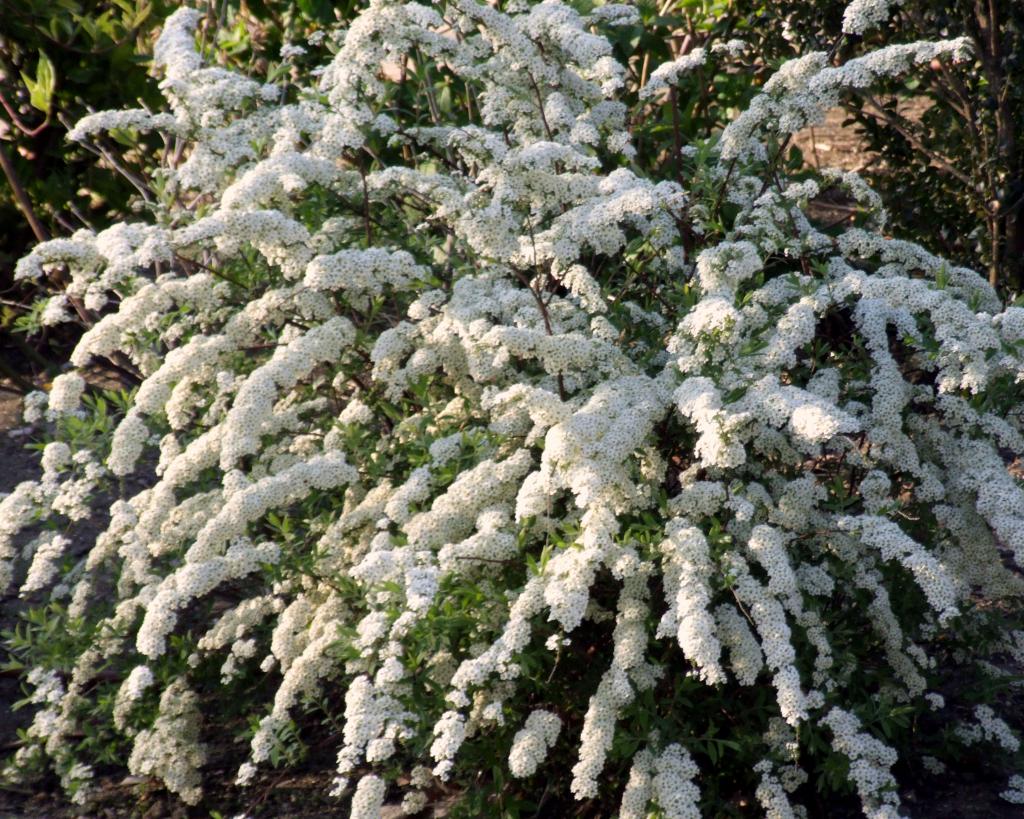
column 831, row 145
column 16, row 464
column 835, row 145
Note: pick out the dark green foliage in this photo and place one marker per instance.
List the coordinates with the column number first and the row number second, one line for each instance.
column 952, row 166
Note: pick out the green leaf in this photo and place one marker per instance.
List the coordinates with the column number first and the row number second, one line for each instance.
column 140, row 16
column 321, row 10
column 41, row 88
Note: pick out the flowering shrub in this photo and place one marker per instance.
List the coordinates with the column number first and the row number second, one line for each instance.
column 60, row 60
column 541, row 464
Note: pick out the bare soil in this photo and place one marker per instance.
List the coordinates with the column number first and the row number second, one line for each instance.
column 16, row 464
column 835, row 145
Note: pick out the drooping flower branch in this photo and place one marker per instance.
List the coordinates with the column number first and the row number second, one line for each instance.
column 473, row 354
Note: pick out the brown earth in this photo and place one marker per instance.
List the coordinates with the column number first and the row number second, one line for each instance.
column 835, row 145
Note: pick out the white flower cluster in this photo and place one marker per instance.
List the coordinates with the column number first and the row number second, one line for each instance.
column 988, row 728
column 772, row 793
column 1014, row 792
column 870, row 763
column 66, row 392
column 687, row 568
column 131, row 690
column 893, row 544
column 532, row 742
column 171, row 749
column 45, row 564
column 803, row 89
column 862, row 15
column 368, row 798
column 455, row 407
column 668, row 73
column 672, row 784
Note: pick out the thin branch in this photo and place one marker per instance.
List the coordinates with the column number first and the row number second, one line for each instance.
column 724, row 187
column 220, row 275
column 29, row 132
column 366, row 207
column 540, row 105
column 63, row 222
column 24, row 203
column 79, row 215
column 547, row 322
column 677, row 136
column 104, row 153
column 428, row 88
column 134, row 180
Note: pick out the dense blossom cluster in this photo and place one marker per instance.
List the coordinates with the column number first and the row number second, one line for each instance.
column 441, row 443
column 531, row 744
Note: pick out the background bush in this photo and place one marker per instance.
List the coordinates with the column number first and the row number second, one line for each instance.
column 955, row 174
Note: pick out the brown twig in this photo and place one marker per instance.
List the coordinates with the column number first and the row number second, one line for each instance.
column 186, row 261
column 725, row 184
column 104, row 153
column 677, row 136
column 547, row 323
column 24, row 203
column 29, row 132
column 366, row 206
column 540, row 105
column 23, row 384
